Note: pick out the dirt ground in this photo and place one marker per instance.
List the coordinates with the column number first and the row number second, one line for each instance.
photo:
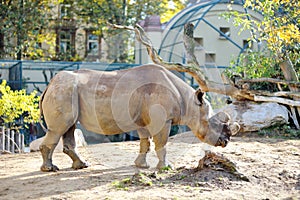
column 268, row 169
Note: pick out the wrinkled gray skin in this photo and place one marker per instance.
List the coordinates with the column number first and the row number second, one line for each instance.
column 148, row 99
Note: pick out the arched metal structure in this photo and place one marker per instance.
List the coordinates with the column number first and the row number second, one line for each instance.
column 205, row 15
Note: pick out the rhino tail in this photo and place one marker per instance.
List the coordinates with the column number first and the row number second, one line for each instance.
column 41, row 111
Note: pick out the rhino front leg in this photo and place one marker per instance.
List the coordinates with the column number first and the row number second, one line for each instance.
column 47, row 147
column 160, row 140
column 70, row 149
column 140, row 161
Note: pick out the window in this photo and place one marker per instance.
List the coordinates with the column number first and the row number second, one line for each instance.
column 198, row 43
column 65, row 11
column 224, row 31
column 93, row 45
column 65, row 41
column 210, row 58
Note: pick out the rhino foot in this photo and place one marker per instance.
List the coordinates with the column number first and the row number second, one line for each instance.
column 79, row 164
column 164, row 166
column 140, row 161
column 49, row 168
column 142, row 165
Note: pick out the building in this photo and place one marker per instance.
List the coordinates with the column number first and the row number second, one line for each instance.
column 217, row 41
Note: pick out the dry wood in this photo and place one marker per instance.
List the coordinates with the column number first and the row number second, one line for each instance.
column 219, row 162
column 270, row 80
column 278, row 100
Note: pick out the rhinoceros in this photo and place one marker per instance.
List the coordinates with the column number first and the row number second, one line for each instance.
column 147, row 98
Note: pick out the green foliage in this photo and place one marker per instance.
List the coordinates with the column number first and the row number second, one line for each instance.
column 254, row 65
column 284, row 131
column 122, row 185
column 140, row 179
column 121, row 43
column 24, row 22
column 165, row 169
column 257, row 65
column 17, row 104
column 279, row 28
column 28, row 24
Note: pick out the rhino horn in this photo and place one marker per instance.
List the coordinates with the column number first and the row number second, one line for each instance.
column 220, row 117
column 234, row 128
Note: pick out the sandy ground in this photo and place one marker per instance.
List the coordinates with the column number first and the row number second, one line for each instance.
column 272, row 167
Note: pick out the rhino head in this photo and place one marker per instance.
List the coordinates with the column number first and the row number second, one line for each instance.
column 220, row 129
column 215, row 130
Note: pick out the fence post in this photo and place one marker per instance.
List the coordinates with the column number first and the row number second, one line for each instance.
column 18, row 141
column 7, row 139
column 12, row 142
column 2, row 139
column 22, row 145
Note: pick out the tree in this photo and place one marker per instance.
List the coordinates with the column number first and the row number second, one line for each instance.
column 16, row 105
column 280, row 29
column 120, row 12
column 23, row 25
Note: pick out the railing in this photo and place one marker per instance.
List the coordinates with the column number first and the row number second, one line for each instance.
column 11, row 141
column 22, row 74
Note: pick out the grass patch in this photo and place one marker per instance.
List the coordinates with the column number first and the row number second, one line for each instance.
column 122, row 185
column 138, row 179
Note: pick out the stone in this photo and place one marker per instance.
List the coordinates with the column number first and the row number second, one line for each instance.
column 255, row 116
column 79, row 138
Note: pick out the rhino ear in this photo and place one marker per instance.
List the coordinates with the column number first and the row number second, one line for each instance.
column 199, row 95
column 234, row 128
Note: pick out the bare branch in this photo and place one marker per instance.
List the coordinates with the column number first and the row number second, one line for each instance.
column 37, row 88
column 294, row 117
column 270, row 80
column 120, row 26
column 278, row 100
column 287, row 94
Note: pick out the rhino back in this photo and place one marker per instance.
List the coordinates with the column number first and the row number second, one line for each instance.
column 119, row 101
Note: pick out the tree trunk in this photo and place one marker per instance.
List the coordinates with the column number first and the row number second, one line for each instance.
column 19, row 31
column 290, row 74
column 1, row 44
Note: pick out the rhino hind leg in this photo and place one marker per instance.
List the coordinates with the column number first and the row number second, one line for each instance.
column 47, row 147
column 140, row 161
column 70, row 149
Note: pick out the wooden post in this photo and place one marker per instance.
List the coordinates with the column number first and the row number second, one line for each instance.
column 7, row 139
column 18, row 141
column 22, row 145
column 2, row 139
column 12, row 141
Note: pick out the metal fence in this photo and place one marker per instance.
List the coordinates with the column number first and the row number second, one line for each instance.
column 11, row 141
column 37, row 74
